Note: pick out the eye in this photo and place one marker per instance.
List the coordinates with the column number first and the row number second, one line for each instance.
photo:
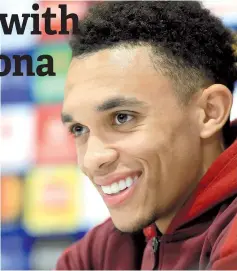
column 122, row 118
column 78, row 130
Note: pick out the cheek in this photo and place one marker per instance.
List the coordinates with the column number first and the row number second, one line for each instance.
column 171, row 141
column 136, row 144
column 179, row 155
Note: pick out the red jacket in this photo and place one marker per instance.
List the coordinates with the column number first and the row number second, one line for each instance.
column 203, row 235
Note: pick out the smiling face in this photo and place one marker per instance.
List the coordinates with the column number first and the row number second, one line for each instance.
column 134, row 140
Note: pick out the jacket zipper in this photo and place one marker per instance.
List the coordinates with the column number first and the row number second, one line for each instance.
column 155, row 248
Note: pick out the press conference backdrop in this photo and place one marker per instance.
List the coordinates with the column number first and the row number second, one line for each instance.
column 46, row 202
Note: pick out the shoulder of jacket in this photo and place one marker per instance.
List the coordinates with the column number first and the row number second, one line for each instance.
column 223, row 239
column 82, row 253
column 223, row 222
column 98, row 235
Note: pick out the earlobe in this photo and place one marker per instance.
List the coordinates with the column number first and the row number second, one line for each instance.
column 216, row 102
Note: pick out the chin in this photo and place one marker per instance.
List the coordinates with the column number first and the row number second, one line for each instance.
column 132, row 225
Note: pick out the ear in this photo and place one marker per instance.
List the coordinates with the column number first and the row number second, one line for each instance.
column 215, row 103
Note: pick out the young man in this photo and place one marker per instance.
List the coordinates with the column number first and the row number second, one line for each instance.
column 148, row 98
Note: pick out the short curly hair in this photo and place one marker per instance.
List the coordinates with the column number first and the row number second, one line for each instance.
column 188, row 43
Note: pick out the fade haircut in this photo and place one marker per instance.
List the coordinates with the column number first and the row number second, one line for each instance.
column 186, row 42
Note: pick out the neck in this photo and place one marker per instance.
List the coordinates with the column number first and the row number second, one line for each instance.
column 211, row 150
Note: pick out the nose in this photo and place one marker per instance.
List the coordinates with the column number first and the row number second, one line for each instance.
column 97, row 155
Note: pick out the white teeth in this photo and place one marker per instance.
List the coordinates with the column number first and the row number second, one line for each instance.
column 129, row 181
column 109, row 190
column 106, row 189
column 115, row 188
column 122, row 185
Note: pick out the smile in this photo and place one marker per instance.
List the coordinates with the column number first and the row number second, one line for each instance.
column 120, row 190
column 119, row 186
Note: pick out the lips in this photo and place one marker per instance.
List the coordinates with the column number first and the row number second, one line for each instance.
column 114, row 178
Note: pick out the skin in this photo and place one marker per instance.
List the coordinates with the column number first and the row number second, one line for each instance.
column 173, row 145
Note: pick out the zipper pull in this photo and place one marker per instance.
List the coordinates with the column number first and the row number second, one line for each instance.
column 155, row 244
column 155, row 248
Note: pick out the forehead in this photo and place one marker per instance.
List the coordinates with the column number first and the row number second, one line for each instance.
column 110, row 72
column 115, row 62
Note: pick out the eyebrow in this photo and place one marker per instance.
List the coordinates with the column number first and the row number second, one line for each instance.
column 66, row 118
column 119, row 102
column 109, row 104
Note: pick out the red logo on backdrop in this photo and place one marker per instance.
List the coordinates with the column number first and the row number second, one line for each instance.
column 54, row 144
